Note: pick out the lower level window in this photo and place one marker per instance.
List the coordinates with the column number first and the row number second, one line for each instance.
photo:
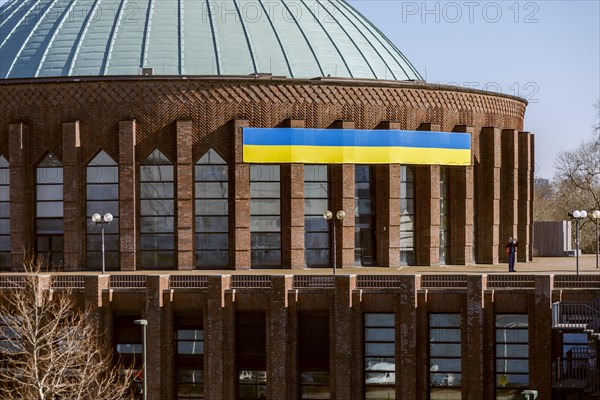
column 512, row 355
column 190, row 384
column 252, row 385
column 380, row 361
column 445, row 357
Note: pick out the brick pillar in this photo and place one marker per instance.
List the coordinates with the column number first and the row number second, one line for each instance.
column 422, row 360
column 387, row 204
column 292, row 209
column 460, row 224
column 473, row 339
column 185, row 197
column 540, row 346
column 292, row 345
column 525, row 196
column 169, row 347
column 489, row 345
column 229, row 353
column 427, row 209
column 342, row 198
column 406, row 335
column 155, row 285
column 341, row 366
column 94, row 287
column 488, row 192
column 127, row 196
column 531, row 192
column 239, row 203
column 214, row 355
column 509, row 189
column 22, row 232
column 74, row 209
column 278, row 344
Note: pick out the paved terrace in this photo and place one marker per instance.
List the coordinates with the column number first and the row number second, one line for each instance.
column 539, row 266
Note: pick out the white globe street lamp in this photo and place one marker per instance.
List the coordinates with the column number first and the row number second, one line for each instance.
column 577, row 216
column 99, row 219
column 340, row 215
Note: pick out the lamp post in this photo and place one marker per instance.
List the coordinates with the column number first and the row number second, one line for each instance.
column 144, row 324
column 340, row 215
column 106, row 219
column 596, row 216
column 577, row 216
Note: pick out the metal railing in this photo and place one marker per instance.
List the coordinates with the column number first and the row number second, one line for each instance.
column 127, row 281
column 511, row 281
column 378, row 281
column 251, row 282
column 576, row 314
column 12, row 281
column 313, row 281
column 188, row 281
column 68, row 282
column 443, row 281
column 577, row 281
column 576, row 374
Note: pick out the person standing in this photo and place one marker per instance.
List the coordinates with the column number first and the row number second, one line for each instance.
column 511, row 250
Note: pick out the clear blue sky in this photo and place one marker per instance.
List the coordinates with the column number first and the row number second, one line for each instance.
column 546, row 51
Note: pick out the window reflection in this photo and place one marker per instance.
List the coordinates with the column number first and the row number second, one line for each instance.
column 265, row 216
column 407, row 215
column 512, row 355
column 445, row 352
column 4, row 213
column 189, row 356
column 316, row 228
column 102, row 196
column 251, row 352
column 49, row 211
column 313, row 356
column 212, row 224
column 380, row 361
column 364, row 211
column 444, row 215
column 157, row 212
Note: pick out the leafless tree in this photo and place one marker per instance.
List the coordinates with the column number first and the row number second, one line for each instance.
column 577, row 179
column 50, row 347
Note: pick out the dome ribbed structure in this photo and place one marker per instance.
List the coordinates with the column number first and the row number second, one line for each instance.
column 293, row 38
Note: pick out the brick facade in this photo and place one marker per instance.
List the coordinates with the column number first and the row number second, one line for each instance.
column 215, row 300
column 129, row 117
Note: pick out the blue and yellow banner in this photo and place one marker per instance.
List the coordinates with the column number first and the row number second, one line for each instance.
column 353, row 146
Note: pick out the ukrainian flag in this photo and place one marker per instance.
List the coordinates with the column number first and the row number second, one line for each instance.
column 352, row 146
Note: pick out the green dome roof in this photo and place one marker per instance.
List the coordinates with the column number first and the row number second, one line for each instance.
column 293, row 38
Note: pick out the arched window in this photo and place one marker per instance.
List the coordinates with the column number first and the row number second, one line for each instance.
column 211, row 205
column 102, row 195
column 49, row 227
column 4, row 214
column 157, row 212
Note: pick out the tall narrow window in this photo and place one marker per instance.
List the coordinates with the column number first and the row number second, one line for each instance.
column 212, row 224
column 316, row 202
column 4, row 214
column 380, row 361
column 512, row 355
column 49, row 226
column 445, row 357
column 157, row 212
column 265, row 215
column 102, row 180
column 444, row 214
column 407, row 215
column 127, row 340
column 364, row 228
column 251, row 350
column 313, row 356
column 189, row 360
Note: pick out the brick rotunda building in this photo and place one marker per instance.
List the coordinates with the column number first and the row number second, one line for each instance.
column 155, row 111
